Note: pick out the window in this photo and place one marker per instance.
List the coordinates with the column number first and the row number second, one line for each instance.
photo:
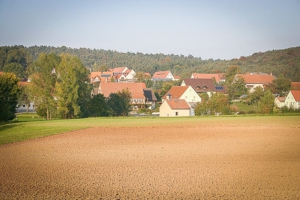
column 176, row 113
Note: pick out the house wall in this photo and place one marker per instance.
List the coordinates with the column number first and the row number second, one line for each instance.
column 166, row 111
column 170, row 76
column 131, row 75
column 290, row 101
column 190, row 95
column 278, row 103
column 253, row 86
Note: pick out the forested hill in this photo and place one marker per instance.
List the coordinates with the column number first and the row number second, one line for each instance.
column 279, row 62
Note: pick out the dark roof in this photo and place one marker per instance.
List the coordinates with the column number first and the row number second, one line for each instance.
column 149, row 94
column 200, row 85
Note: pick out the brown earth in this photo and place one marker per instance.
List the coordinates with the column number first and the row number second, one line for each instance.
column 175, row 162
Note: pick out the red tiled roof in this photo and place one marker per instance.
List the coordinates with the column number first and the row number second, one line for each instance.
column 94, row 74
column 136, row 89
column 118, row 69
column 296, row 95
column 217, row 77
column 257, row 78
column 295, row 85
column 281, row 99
column 177, row 77
column 178, row 104
column 176, row 92
column 147, row 74
column 160, row 74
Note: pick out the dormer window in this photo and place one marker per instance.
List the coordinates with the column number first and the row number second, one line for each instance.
column 204, row 88
column 198, row 87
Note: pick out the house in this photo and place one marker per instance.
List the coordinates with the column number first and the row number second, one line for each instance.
column 123, row 74
column 177, row 78
column 279, row 102
column 118, row 70
column 254, row 80
column 150, row 97
column 163, row 76
column 293, row 99
column 107, row 77
column 174, row 108
column 295, row 85
column 95, row 77
column 200, row 85
column 172, row 101
column 216, row 77
column 183, row 92
column 136, row 90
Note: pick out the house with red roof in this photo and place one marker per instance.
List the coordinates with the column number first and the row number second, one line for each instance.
column 95, row 77
column 163, row 76
column 279, row 102
column 295, row 85
column 174, row 108
column 172, row 102
column 140, row 95
column 293, row 99
column 123, row 74
column 216, row 77
column 254, row 80
column 182, row 92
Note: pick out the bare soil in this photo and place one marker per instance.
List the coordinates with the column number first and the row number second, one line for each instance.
column 175, row 162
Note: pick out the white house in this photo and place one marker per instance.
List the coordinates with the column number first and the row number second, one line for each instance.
column 293, row 99
column 174, row 108
column 163, row 76
column 183, row 92
column 280, row 102
column 254, row 80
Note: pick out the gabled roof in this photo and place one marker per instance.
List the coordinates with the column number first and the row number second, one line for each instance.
column 176, row 92
column 295, row 85
column 281, row 99
column 250, row 78
column 136, row 89
column 177, row 77
column 147, row 74
column 149, row 94
column 178, row 104
column 160, row 75
column 296, row 95
column 200, row 85
column 94, row 74
column 119, row 70
column 217, row 77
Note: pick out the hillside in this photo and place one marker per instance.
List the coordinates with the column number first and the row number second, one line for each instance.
column 284, row 62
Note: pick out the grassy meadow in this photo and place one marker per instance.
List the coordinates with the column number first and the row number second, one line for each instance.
column 30, row 126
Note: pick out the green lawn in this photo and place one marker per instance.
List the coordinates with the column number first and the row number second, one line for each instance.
column 29, row 126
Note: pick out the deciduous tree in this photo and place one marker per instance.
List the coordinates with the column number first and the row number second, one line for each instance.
column 9, row 93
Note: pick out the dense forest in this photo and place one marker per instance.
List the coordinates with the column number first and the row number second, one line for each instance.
column 284, row 62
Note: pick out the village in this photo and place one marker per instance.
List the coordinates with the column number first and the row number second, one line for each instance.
column 181, row 100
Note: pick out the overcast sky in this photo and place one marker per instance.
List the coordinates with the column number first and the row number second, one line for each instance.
column 218, row 29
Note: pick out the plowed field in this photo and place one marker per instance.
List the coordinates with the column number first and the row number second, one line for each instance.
column 174, row 161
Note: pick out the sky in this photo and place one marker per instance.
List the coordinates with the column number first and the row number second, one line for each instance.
column 217, row 29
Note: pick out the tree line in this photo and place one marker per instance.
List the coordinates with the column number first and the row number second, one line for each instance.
column 284, row 62
column 59, row 88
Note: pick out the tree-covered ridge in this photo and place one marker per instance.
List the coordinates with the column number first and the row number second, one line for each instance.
column 284, row 62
